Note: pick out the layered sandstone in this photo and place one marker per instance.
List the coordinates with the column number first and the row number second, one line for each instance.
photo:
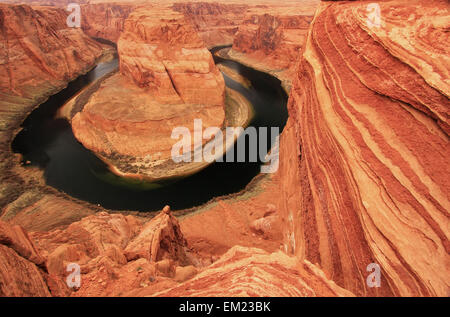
column 167, row 79
column 39, row 52
column 116, row 254
column 39, row 55
column 364, row 156
column 270, row 38
column 22, row 268
column 105, row 20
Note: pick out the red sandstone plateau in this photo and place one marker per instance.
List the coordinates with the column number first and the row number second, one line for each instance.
column 363, row 176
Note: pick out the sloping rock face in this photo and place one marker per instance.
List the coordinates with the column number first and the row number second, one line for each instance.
column 163, row 52
column 105, row 20
column 167, row 79
column 270, row 37
column 216, row 23
column 364, row 156
column 38, row 51
column 253, row 272
column 123, row 256
column 104, row 237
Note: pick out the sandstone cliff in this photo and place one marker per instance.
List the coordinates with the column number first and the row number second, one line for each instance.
column 364, row 156
column 253, row 272
column 122, row 256
column 39, row 52
column 271, row 43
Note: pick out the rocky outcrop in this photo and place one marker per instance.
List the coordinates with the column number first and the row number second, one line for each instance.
column 271, row 42
column 364, row 163
column 167, row 79
column 164, row 53
column 108, row 247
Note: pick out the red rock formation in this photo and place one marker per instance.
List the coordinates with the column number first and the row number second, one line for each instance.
column 364, row 156
column 163, row 51
column 39, row 52
column 107, row 246
column 169, row 78
column 271, row 42
column 39, row 55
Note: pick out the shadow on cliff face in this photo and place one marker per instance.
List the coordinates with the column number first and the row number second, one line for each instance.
column 50, row 144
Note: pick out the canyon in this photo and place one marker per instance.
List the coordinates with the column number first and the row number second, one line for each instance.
column 363, row 176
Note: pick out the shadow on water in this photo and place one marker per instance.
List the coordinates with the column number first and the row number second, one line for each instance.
column 49, row 143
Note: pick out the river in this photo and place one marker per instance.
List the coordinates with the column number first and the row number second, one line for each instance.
column 48, row 142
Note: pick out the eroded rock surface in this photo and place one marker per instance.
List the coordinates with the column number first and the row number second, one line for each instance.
column 364, row 154
column 21, row 264
column 253, row 272
column 271, row 42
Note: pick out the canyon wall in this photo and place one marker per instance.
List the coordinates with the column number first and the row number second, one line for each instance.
column 364, row 157
column 39, row 51
column 105, row 20
column 125, row 256
column 271, row 42
column 216, row 23
column 270, row 37
column 39, row 55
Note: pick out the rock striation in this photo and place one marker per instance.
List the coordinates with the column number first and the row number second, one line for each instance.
column 364, row 163
column 22, row 268
column 105, row 20
column 116, row 254
column 253, row 272
column 39, row 55
column 215, row 23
